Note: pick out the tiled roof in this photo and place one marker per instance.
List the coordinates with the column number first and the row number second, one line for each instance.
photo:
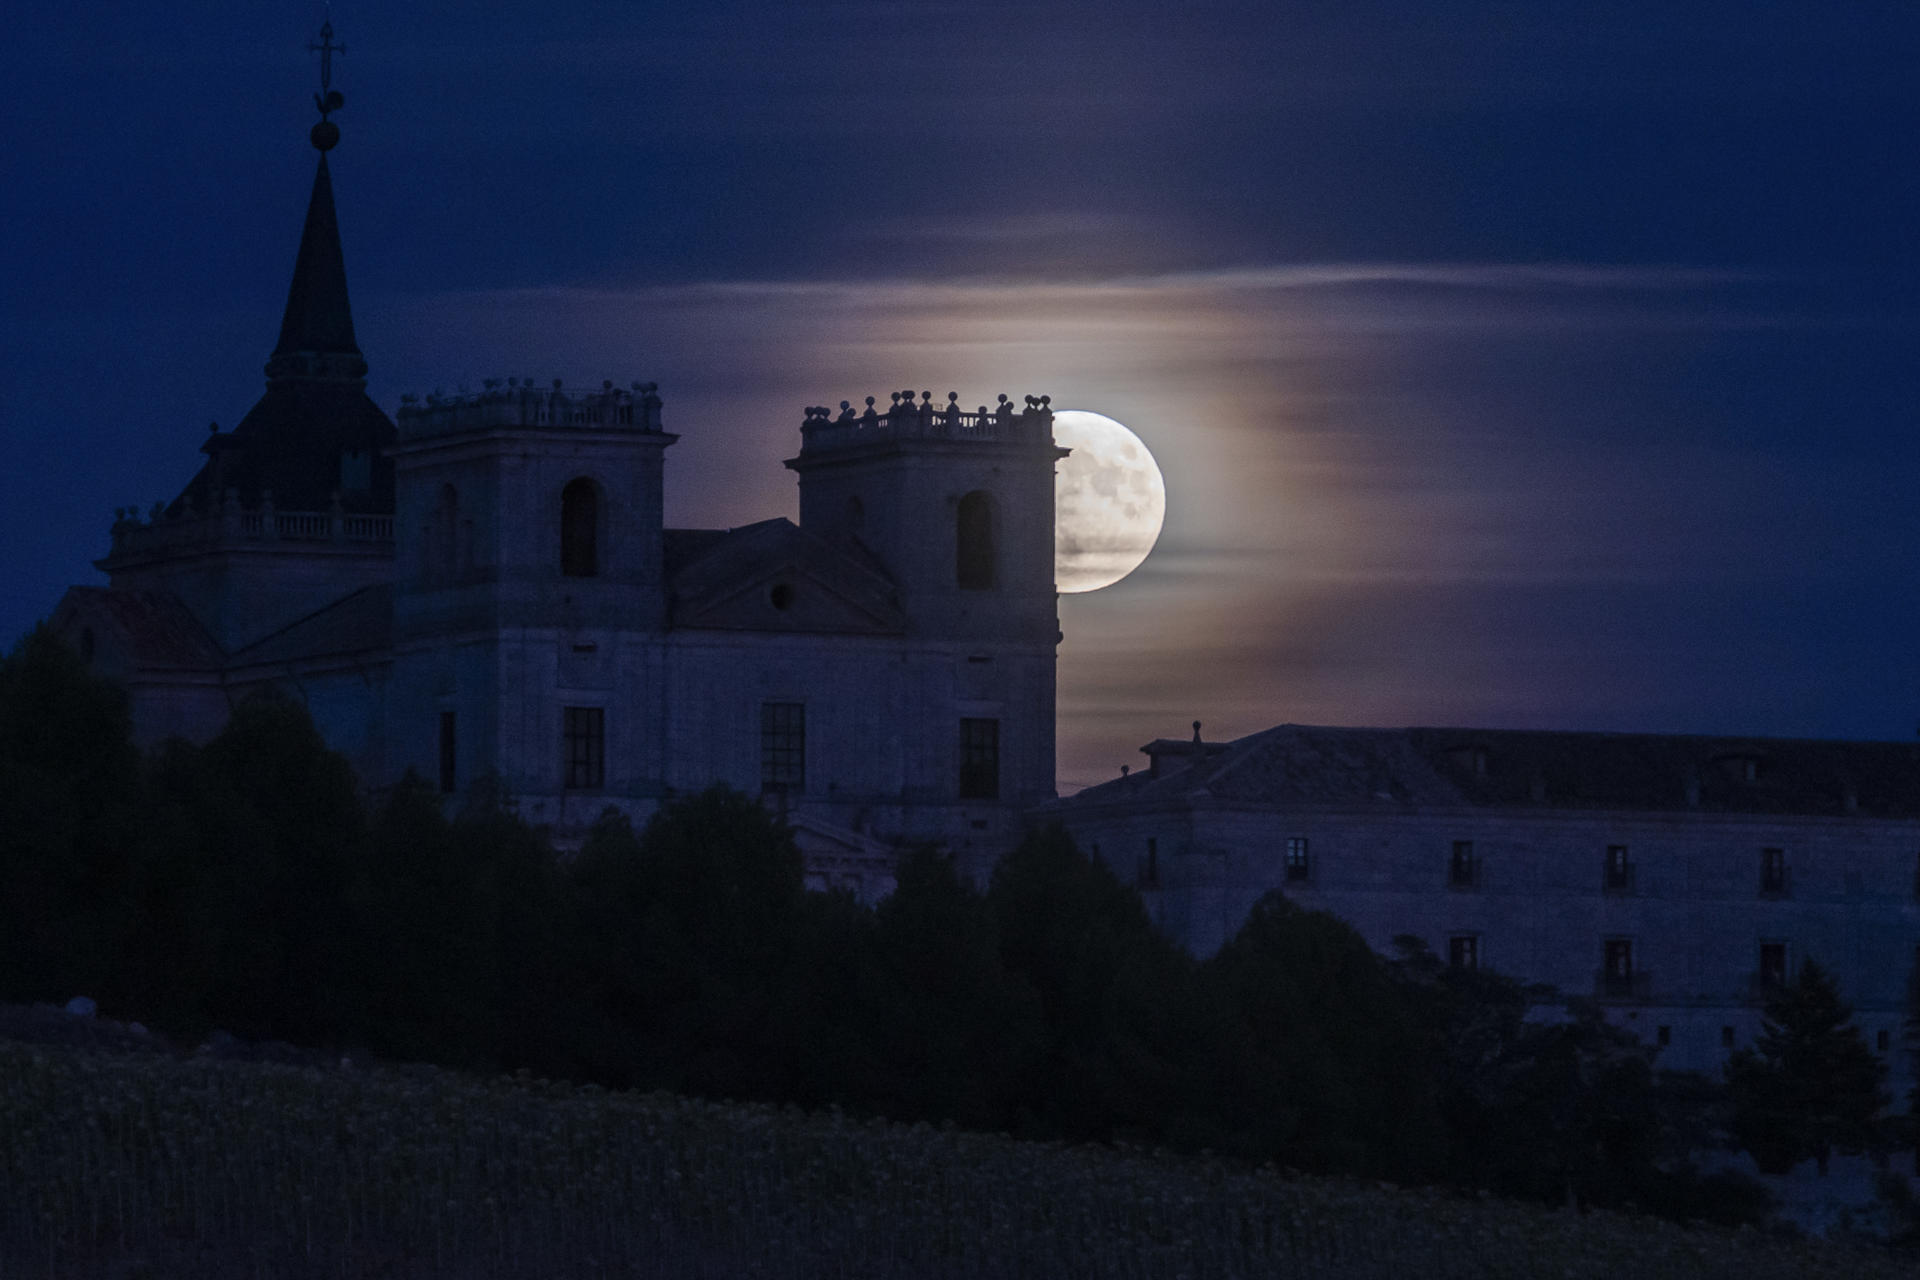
column 161, row 633
column 1310, row 765
column 357, row 623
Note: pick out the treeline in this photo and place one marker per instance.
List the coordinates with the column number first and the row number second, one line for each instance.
column 245, row 885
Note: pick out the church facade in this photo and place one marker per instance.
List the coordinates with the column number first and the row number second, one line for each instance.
column 483, row 592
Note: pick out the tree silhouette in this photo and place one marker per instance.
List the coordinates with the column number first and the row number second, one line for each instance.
column 1811, row 1085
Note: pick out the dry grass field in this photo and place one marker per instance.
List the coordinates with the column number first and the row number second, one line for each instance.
column 127, row 1165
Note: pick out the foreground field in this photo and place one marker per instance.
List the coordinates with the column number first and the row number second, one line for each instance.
column 125, row 1165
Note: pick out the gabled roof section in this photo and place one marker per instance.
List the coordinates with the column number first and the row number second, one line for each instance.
column 358, row 623
column 136, row 631
column 1308, row 766
column 774, row 576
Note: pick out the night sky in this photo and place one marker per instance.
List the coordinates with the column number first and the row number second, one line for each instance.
column 1521, row 364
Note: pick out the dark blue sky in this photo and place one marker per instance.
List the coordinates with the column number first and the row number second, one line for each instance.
column 1510, row 364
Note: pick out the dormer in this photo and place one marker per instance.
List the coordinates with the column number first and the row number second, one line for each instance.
column 1170, row 755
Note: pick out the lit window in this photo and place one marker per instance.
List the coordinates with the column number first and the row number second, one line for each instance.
column 584, row 730
column 979, row 759
column 783, row 746
column 1299, row 867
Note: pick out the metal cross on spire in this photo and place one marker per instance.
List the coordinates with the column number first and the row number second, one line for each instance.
column 326, row 99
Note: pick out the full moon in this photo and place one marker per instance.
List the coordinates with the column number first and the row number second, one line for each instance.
column 1108, row 502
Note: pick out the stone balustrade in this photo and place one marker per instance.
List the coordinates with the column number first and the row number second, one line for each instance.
column 230, row 524
column 823, row 430
column 516, row 402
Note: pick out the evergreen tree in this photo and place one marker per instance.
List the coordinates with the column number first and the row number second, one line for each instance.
column 1811, row 1085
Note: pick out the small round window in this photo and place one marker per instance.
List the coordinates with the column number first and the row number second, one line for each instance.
column 781, row 595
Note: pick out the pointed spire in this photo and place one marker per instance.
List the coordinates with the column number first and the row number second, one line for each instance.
column 316, row 333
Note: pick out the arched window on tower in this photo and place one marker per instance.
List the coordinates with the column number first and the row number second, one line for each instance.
column 580, row 529
column 974, row 552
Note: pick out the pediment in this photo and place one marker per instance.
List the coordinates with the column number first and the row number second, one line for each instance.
column 773, row 577
column 787, row 596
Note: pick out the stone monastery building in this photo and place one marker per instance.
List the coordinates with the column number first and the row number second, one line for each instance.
column 484, row 593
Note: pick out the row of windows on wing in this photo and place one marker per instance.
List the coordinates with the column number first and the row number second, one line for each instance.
column 975, row 549
column 1618, row 979
column 783, row 751
column 1616, row 867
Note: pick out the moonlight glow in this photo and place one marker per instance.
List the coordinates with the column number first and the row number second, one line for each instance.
column 1108, row 502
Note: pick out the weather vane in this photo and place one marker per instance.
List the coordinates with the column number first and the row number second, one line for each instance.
column 329, row 99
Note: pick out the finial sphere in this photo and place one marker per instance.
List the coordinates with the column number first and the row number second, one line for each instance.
column 324, row 135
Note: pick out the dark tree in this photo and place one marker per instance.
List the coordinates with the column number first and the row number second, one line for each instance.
column 243, row 917
column 1114, row 992
column 69, row 784
column 1318, row 1060
column 721, row 883
column 1811, row 1085
column 960, row 1030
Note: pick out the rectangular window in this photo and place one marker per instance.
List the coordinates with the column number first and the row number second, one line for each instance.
column 783, row 747
column 1773, row 871
column 979, row 759
column 584, row 733
column 1881, row 1039
column 1462, row 870
column 1773, row 965
column 1298, row 866
column 1618, row 875
column 1463, row 951
column 1664, row 1035
column 448, row 775
column 1616, row 967
column 1150, row 869
column 1726, row 1037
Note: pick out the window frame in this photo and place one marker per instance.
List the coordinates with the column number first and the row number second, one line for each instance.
column 1616, row 869
column 975, row 551
column 583, row 748
column 1775, row 875
column 578, row 559
column 449, row 753
column 1298, row 864
column 783, row 747
column 1463, row 866
column 979, row 758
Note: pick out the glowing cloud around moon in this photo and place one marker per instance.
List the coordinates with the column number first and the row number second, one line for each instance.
column 1108, row 502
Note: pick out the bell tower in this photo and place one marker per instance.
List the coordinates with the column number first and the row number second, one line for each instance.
column 958, row 507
